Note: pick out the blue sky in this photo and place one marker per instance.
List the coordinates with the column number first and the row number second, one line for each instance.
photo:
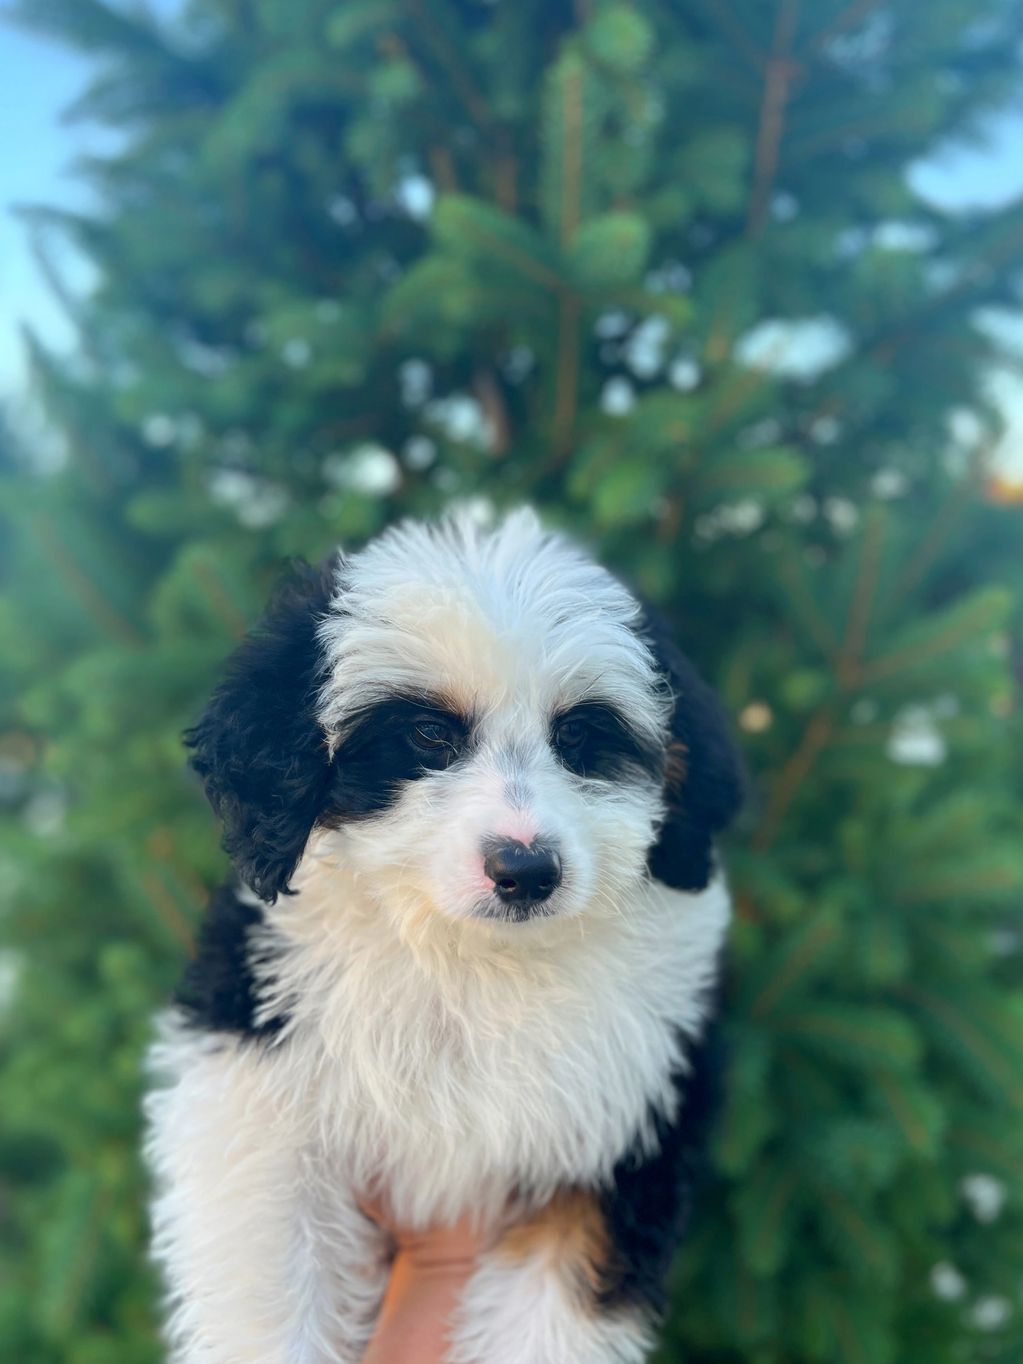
column 38, row 81
column 38, row 151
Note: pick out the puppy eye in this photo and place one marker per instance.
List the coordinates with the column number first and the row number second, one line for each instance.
column 570, row 734
column 432, row 735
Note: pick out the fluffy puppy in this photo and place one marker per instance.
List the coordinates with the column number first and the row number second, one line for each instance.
column 470, row 792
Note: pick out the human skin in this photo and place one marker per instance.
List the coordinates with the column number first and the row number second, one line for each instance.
column 428, row 1272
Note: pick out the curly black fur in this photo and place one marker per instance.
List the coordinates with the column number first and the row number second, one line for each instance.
column 258, row 748
column 647, row 1208
column 218, row 990
column 704, row 782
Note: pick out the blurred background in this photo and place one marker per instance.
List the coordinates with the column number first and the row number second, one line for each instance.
column 733, row 290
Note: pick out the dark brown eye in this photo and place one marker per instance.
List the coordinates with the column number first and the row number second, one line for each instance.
column 432, row 735
column 570, row 734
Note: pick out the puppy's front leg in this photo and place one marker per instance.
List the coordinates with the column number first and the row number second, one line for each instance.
column 265, row 1256
column 536, row 1296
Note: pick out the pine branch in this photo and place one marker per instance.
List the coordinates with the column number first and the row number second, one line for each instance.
column 817, row 940
column 980, row 1144
column 970, row 886
column 804, row 148
column 728, row 399
column 54, row 388
column 720, row 338
column 845, row 1326
column 84, row 335
column 228, row 613
column 849, row 672
column 490, row 243
column 912, row 1128
column 747, row 1290
column 348, row 428
column 167, row 911
column 92, row 26
column 102, row 611
column 745, row 908
column 567, row 376
column 953, row 507
column 815, row 738
column 506, row 177
column 781, row 73
column 846, row 19
column 1004, row 253
column 934, row 647
column 439, row 155
column 969, row 1037
column 856, row 1231
column 51, row 276
column 730, row 27
column 450, row 59
column 571, row 184
column 863, row 736
column 160, row 845
column 882, row 345
column 847, row 664
column 491, row 399
column 85, row 1258
column 442, row 168
column 669, row 523
column 820, row 628
column 786, row 1185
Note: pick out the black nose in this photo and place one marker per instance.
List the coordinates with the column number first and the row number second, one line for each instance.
column 521, row 875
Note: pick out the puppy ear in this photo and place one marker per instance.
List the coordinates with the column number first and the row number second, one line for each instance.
column 258, row 747
column 704, row 781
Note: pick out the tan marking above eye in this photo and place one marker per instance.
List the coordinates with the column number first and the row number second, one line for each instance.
column 676, row 763
column 570, row 1234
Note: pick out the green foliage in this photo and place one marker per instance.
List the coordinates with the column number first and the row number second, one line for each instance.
column 354, row 259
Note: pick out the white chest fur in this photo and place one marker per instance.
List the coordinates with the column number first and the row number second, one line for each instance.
column 456, row 1063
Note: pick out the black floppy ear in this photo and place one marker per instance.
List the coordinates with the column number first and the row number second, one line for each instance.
column 258, row 747
column 704, row 781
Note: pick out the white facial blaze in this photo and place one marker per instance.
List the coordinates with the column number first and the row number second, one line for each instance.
column 484, row 616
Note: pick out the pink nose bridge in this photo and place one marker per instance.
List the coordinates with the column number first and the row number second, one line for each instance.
column 517, row 823
column 508, row 810
column 517, row 831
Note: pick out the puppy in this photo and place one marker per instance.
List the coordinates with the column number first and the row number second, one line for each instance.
column 470, row 792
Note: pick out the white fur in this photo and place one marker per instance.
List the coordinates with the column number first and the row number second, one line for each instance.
column 514, row 1313
column 449, row 1068
column 444, row 1057
column 266, row 1257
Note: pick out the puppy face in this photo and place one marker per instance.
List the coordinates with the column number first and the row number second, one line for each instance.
column 497, row 724
column 485, row 722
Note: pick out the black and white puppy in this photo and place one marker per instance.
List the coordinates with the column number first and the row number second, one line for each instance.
column 470, row 794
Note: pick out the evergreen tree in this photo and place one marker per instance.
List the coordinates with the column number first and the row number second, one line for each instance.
column 657, row 267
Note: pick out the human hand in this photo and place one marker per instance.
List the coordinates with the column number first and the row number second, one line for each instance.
column 437, row 1250
column 429, row 1269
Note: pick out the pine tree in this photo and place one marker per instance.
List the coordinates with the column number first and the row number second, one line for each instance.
column 658, row 268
